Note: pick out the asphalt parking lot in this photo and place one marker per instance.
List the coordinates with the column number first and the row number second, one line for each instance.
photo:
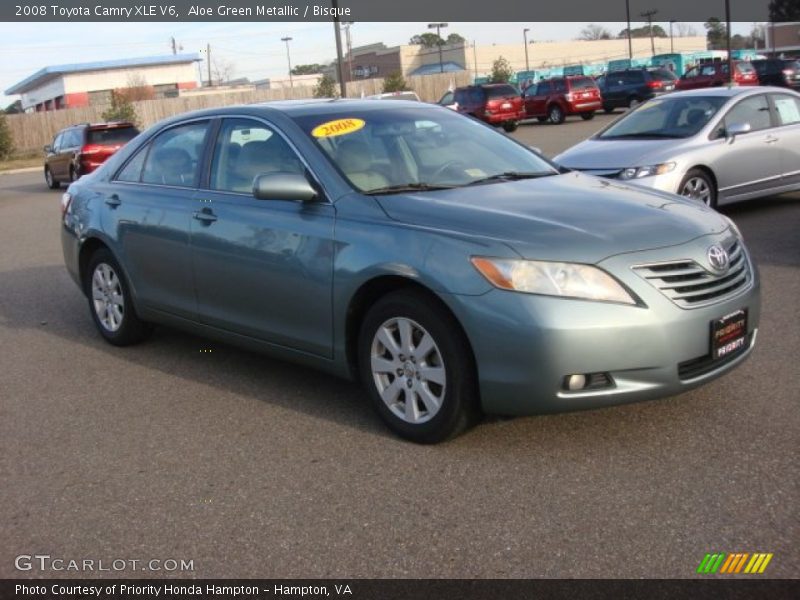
column 185, row 449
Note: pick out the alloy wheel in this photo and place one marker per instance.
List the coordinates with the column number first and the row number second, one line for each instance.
column 107, row 298
column 697, row 188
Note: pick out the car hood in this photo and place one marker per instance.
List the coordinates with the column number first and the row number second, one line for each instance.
column 571, row 217
column 616, row 154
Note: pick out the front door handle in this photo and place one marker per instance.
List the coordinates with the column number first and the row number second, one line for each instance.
column 113, row 201
column 770, row 139
column 205, row 215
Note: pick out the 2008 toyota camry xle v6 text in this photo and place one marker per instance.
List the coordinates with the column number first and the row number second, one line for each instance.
column 450, row 268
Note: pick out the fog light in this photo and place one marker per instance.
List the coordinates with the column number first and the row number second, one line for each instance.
column 576, row 382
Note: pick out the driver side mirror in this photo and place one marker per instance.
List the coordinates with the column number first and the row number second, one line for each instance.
column 284, row 186
column 48, row 148
column 737, row 129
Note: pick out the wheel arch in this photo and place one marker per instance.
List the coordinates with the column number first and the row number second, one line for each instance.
column 372, row 291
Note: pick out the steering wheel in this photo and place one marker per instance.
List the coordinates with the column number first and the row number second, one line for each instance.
column 444, row 167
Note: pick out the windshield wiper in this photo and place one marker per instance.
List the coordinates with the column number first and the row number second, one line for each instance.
column 512, row 176
column 409, row 187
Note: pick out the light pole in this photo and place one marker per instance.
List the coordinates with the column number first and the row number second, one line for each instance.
column 438, row 27
column 337, row 35
column 349, row 46
column 728, row 38
column 289, row 60
column 525, row 38
column 628, row 18
column 648, row 14
column 671, row 43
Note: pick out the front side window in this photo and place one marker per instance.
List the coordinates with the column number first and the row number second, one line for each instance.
column 753, row 110
column 174, row 155
column 666, row 117
column 447, row 98
column 245, row 149
column 417, row 149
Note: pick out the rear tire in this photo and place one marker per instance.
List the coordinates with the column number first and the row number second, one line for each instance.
column 51, row 181
column 110, row 303
column 587, row 116
column 633, row 102
column 510, row 126
column 416, row 367
column 608, row 109
column 555, row 115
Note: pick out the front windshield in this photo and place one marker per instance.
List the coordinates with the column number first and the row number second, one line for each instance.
column 410, row 148
column 668, row 117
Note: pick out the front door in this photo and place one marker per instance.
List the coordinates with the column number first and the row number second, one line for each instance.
column 262, row 268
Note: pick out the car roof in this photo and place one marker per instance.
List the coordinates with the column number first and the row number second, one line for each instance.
column 727, row 92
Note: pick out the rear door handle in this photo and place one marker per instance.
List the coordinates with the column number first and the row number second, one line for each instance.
column 113, row 201
column 205, row 215
column 770, row 139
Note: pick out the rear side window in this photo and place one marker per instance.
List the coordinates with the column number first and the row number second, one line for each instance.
column 447, row 98
column 788, row 109
column 132, row 172
column 544, row 88
column 174, row 155
column 111, row 136
column 632, row 77
column 753, row 110
column 744, row 67
column 662, row 75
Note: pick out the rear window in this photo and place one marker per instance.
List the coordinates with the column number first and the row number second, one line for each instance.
column 744, row 67
column 662, row 75
column 581, row 83
column 111, row 136
column 500, row 91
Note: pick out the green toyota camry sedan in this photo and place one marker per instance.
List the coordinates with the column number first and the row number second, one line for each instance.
column 452, row 270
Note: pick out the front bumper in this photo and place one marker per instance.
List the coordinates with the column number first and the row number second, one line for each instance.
column 526, row 345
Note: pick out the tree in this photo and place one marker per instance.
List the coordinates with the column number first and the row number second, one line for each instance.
column 684, row 30
column 6, row 141
column 14, row 108
column 138, row 89
column 784, row 10
column 394, row 82
column 595, row 32
column 716, row 34
column 427, row 40
column 758, row 36
column 121, row 109
column 455, row 38
column 307, row 69
column 221, row 70
column 501, row 71
column 325, row 88
column 644, row 32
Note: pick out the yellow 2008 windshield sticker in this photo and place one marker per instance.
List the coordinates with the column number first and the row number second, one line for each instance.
column 337, row 127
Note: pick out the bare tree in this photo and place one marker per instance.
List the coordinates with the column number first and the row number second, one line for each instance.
column 222, row 70
column 595, row 32
column 137, row 88
column 684, row 30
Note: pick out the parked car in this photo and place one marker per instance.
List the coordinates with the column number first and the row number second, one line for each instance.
column 715, row 145
column 631, row 87
column 779, row 72
column 449, row 267
column 448, row 100
column 555, row 99
column 714, row 74
column 80, row 149
column 498, row 104
column 405, row 95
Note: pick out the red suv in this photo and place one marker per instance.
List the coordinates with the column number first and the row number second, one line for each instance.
column 80, row 149
column 715, row 74
column 498, row 104
column 554, row 99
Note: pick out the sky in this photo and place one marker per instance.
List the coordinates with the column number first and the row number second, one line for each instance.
column 254, row 49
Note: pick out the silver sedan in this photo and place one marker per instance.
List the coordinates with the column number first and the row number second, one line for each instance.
column 716, row 145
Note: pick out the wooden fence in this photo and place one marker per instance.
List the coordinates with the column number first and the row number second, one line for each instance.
column 31, row 131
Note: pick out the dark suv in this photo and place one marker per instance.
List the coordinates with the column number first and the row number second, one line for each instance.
column 628, row 88
column 80, row 149
column 498, row 104
column 554, row 99
column 783, row 72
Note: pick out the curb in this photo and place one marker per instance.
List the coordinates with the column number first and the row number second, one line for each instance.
column 25, row 170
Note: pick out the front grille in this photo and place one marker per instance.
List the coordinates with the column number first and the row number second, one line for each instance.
column 698, row 367
column 689, row 285
column 607, row 173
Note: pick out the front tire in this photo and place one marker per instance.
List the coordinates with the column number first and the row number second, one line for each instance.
column 510, row 126
column 587, row 116
column 110, row 303
column 51, row 181
column 415, row 364
column 698, row 185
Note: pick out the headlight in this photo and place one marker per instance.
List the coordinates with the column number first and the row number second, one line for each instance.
column 569, row 280
column 648, row 171
column 734, row 226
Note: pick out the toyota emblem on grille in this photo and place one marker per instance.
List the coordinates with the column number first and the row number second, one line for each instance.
column 718, row 258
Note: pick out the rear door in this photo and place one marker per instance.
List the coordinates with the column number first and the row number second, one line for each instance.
column 536, row 105
column 787, row 109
